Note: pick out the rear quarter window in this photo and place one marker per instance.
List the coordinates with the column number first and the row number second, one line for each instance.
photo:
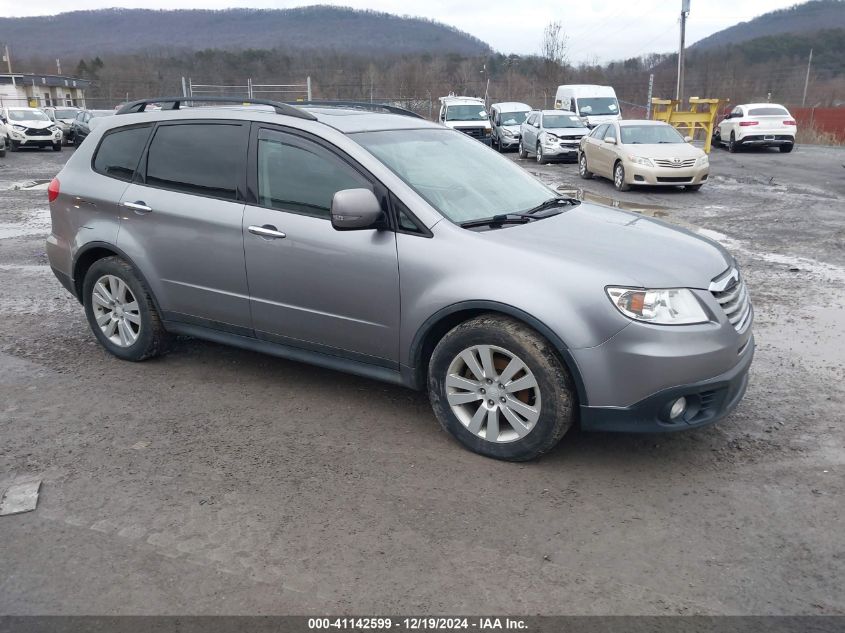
column 119, row 152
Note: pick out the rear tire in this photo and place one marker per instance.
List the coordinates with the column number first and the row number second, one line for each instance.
column 525, row 422
column 117, row 300
column 733, row 146
column 692, row 187
column 585, row 173
column 785, row 149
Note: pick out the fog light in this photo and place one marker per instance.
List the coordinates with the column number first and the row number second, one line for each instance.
column 678, row 408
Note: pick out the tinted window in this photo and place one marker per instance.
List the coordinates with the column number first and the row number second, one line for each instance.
column 302, row 177
column 770, row 111
column 204, row 159
column 120, row 151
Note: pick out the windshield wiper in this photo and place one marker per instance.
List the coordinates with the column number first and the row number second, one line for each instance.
column 548, row 204
column 499, row 220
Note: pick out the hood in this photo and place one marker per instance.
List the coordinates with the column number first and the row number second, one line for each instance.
column 36, row 125
column 568, row 132
column 600, row 118
column 665, row 150
column 515, row 129
column 619, row 247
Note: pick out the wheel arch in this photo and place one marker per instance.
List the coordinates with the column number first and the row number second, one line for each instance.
column 92, row 252
column 437, row 325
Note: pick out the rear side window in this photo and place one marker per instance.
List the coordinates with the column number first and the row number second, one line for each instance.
column 203, row 159
column 299, row 176
column 120, row 151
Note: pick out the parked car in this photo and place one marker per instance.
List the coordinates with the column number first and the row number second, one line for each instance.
column 594, row 104
column 2, row 145
column 507, row 119
column 551, row 135
column 467, row 115
column 29, row 127
column 757, row 125
column 285, row 232
column 642, row 153
column 63, row 117
column 84, row 122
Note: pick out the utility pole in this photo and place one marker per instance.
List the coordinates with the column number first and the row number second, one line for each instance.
column 807, row 79
column 8, row 59
column 679, row 92
column 650, row 93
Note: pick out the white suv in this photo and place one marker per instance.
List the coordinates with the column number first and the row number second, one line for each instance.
column 29, row 127
column 758, row 125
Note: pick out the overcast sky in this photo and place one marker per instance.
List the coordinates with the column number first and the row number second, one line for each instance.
column 598, row 29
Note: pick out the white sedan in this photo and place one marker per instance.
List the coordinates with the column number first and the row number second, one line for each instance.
column 757, row 125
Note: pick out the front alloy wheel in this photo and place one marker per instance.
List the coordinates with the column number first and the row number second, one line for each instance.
column 619, row 178
column 500, row 389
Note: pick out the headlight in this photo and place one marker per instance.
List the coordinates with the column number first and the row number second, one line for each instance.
column 507, row 133
column 639, row 160
column 550, row 139
column 704, row 160
column 670, row 306
column 19, row 128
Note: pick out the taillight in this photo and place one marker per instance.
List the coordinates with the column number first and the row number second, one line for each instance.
column 789, row 122
column 747, row 123
column 53, row 190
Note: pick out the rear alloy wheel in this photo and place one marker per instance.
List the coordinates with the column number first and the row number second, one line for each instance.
column 121, row 311
column 619, row 178
column 585, row 173
column 499, row 389
column 733, row 146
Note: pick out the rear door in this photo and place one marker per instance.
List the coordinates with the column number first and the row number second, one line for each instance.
column 181, row 222
column 316, row 288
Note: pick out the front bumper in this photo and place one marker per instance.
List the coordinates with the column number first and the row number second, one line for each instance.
column 26, row 140
column 561, row 150
column 708, row 401
column 636, row 174
column 508, row 141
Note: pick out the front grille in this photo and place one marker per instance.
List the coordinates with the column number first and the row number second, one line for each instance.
column 673, row 179
column 732, row 294
column 674, row 163
column 475, row 132
column 38, row 132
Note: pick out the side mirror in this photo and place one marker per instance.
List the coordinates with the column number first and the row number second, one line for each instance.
column 688, row 139
column 355, row 209
column 610, row 139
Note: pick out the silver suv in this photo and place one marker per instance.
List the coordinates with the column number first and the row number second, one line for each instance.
column 394, row 248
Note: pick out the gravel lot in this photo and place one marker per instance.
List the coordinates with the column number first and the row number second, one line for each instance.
column 215, row 480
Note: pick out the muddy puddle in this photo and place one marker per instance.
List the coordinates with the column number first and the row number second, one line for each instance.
column 652, row 210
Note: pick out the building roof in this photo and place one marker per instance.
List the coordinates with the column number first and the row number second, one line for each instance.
column 29, row 79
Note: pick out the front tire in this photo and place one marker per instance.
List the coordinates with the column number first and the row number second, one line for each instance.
column 499, row 389
column 583, row 171
column 619, row 177
column 13, row 145
column 121, row 311
column 522, row 152
column 57, row 147
column 541, row 160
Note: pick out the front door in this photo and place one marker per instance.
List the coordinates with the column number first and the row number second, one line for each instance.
column 312, row 286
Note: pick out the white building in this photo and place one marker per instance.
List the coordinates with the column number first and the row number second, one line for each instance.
column 26, row 89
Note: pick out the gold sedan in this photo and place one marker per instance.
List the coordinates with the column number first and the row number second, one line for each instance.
column 642, row 153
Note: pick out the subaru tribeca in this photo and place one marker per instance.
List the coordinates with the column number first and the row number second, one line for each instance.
column 394, row 248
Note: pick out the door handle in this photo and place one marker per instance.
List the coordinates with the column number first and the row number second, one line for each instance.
column 138, row 206
column 268, row 231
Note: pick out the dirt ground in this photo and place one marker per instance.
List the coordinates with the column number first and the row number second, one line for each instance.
column 217, row 481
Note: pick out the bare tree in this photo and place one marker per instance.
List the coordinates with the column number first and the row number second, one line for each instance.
column 553, row 50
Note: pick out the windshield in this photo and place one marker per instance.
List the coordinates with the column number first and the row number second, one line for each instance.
column 561, row 120
column 457, row 175
column 27, row 115
column 466, row 113
column 65, row 114
column 767, row 112
column 597, row 106
column 512, row 118
column 649, row 134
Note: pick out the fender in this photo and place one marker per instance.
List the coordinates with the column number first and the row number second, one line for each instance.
column 415, row 353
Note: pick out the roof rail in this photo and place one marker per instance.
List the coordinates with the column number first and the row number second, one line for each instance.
column 174, row 103
column 360, row 105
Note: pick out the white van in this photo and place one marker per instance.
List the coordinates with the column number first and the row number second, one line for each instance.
column 467, row 115
column 594, row 104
